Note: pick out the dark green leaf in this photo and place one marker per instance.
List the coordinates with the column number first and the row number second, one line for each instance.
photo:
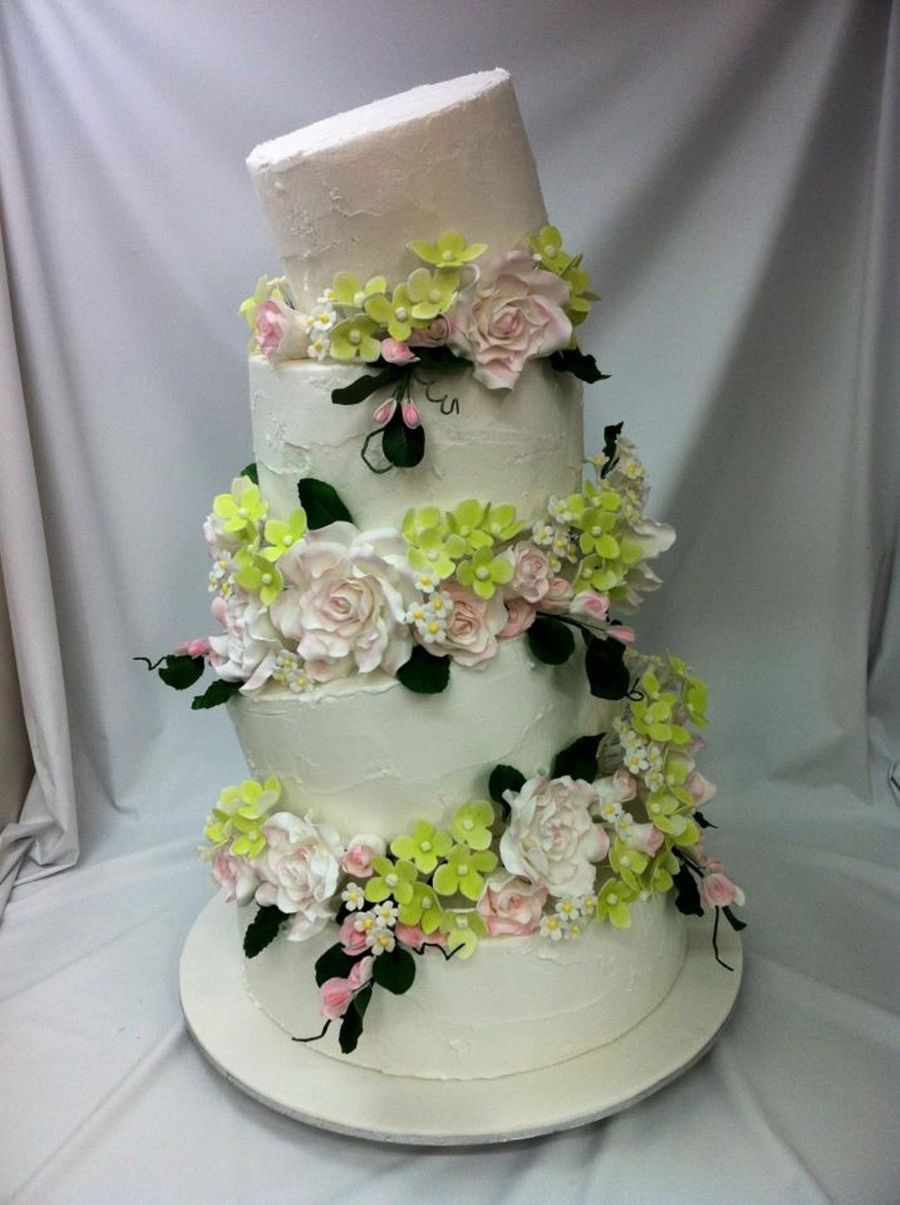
column 550, row 641
column 578, row 760
column 181, row 671
column 395, row 970
column 215, row 695
column 441, row 358
column 361, row 1000
column 321, row 503
column 250, row 471
column 572, row 360
column 403, row 446
column 703, row 822
column 263, row 929
column 424, row 674
column 357, row 391
column 607, row 673
column 736, row 924
column 687, row 899
column 504, row 778
column 351, row 1027
column 610, row 444
column 333, row 964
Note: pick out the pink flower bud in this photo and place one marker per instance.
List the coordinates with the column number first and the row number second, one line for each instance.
column 397, row 353
column 591, row 605
column 334, row 998
column 352, row 939
column 385, row 412
column 718, row 891
column 410, row 414
column 701, row 788
column 194, row 648
column 619, row 632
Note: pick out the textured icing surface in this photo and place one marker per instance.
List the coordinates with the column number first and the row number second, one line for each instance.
column 332, row 193
column 369, row 756
column 517, row 1004
column 516, row 446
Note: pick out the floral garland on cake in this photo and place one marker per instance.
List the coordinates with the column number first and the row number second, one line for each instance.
column 451, row 314
column 614, row 822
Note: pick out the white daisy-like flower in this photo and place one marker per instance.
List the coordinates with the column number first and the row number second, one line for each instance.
column 632, row 468
column 417, row 613
column 364, row 923
column 386, row 914
column 624, row 824
column 220, row 577
column 426, row 581
column 610, row 811
column 655, row 780
column 574, row 929
column 542, row 534
column 322, row 319
column 568, row 908
column 440, row 605
column 381, row 941
column 327, row 298
column 318, row 348
column 433, row 630
column 588, row 905
column 655, row 756
column 555, row 563
column 561, row 544
column 553, row 927
column 290, row 671
column 354, row 897
column 636, row 761
column 558, row 509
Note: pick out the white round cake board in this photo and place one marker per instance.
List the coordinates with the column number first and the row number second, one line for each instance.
column 258, row 1057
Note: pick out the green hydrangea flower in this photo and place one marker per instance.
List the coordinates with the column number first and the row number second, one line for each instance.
column 659, row 875
column 424, row 846
column 284, row 535
column 240, row 808
column 436, row 551
column 424, row 909
column 242, row 510
column 353, row 339
column 547, row 245
column 463, row 928
column 463, row 872
column 392, row 878
column 349, row 292
column 432, row 293
column 467, row 521
column 612, row 903
column 471, row 824
column 257, row 575
column 670, row 814
column 629, row 864
column 396, row 314
column 654, row 715
column 485, row 572
column 450, row 251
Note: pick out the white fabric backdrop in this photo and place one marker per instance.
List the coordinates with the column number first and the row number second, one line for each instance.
column 730, row 170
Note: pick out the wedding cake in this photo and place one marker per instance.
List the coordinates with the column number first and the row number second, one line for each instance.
column 473, row 819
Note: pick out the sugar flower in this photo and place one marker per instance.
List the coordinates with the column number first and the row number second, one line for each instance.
column 435, row 334
column 471, row 824
column 432, row 293
column 511, row 904
column 462, row 872
column 717, row 890
column 450, row 251
column 281, row 333
column 284, row 534
column 424, row 846
column 361, row 849
column 484, row 572
column 472, row 626
column 531, row 572
column 551, row 839
column 248, row 650
column 391, row 879
column 236, row 874
column 520, row 615
column 353, row 897
column 242, row 510
column 463, row 927
column 353, row 339
column 299, row 870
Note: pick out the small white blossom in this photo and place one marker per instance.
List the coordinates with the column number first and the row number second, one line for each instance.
column 386, row 914
column 569, row 908
column 364, row 923
column 636, row 761
column 327, row 297
column 610, row 811
column 354, row 897
column 220, row 577
column 574, row 929
column 322, row 319
column 553, row 927
column 432, row 630
column 542, row 534
column 655, row 756
column 440, row 605
column 655, row 780
column 588, row 905
column 558, row 509
column 318, row 347
column 427, row 581
column 289, row 671
column 380, row 941
column 417, row 613
column 624, row 824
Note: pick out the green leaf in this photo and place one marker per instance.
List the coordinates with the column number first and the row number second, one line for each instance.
column 181, row 671
column 607, row 673
column 424, row 674
column 736, row 924
column 263, row 929
column 703, row 822
column 215, row 695
column 321, row 503
column 361, row 1000
column 357, row 391
column 687, row 899
column 250, row 471
column 504, row 778
column 441, row 358
column 550, row 641
column 395, row 970
column 610, row 444
column 572, row 360
column 578, row 760
column 403, row 446
column 352, row 1024
column 333, row 964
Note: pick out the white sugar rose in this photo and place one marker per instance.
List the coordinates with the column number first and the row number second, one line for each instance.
column 512, row 313
column 551, row 839
column 472, row 626
column 247, row 650
column 299, row 868
column 346, row 597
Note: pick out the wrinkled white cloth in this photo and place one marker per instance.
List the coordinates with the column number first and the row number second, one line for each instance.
column 730, row 171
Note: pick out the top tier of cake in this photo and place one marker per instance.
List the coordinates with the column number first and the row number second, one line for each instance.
column 348, row 193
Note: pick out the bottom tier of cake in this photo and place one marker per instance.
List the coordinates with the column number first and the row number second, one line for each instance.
column 518, row 1004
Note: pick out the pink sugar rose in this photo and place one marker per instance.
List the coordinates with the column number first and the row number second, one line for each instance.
column 624, row 785
column 436, row 334
column 281, row 332
column 511, row 314
column 531, row 572
column 413, row 937
column 352, row 939
column 193, row 648
column 511, row 904
column 472, row 627
column 397, row 353
column 520, row 615
column 336, row 994
column 717, row 890
column 236, row 875
column 357, row 860
column 558, row 597
column 591, row 605
column 644, row 837
column 701, row 788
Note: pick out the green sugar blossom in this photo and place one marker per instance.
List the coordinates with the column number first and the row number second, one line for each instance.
column 284, row 535
column 462, row 872
column 266, row 290
column 671, row 815
column 450, row 250
column 257, row 574
column 463, row 928
column 580, row 295
column 396, row 314
column 471, row 824
column 547, row 245
column 353, row 339
column 424, row 846
column 659, row 876
column 432, row 293
column 239, row 810
column 654, row 715
column 482, row 525
column 436, row 551
column 242, row 510
column 628, row 863
column 415, row 522
column 485, row 572
column 612, row 903
column 391, row 878
column 349, row 292
column 424, row 909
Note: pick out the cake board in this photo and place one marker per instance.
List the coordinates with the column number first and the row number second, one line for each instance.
column 257, row 1056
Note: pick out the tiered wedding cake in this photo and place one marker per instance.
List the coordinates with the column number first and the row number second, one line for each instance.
column 471, row 796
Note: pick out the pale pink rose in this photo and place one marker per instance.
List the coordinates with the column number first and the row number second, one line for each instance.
column 644, row 837
column 436, row 334
column 512, row 313
column 718, row 891
column 591, row 605
column 511, row 904
column 357, row 861
column 531, row 572
column 300, row 867
column 520, row 615
column 280, row 332
column 193, row 648
column 416, row 939
column 346, row 597
column 361, row 972
column 247, row 650
column 624, row 785
column 236, row 875
column 397, row 353
column 472, row 627
column 352, row 939
column 335, row 996
column 551, row 839
column 701, row 788
column 558, row 598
